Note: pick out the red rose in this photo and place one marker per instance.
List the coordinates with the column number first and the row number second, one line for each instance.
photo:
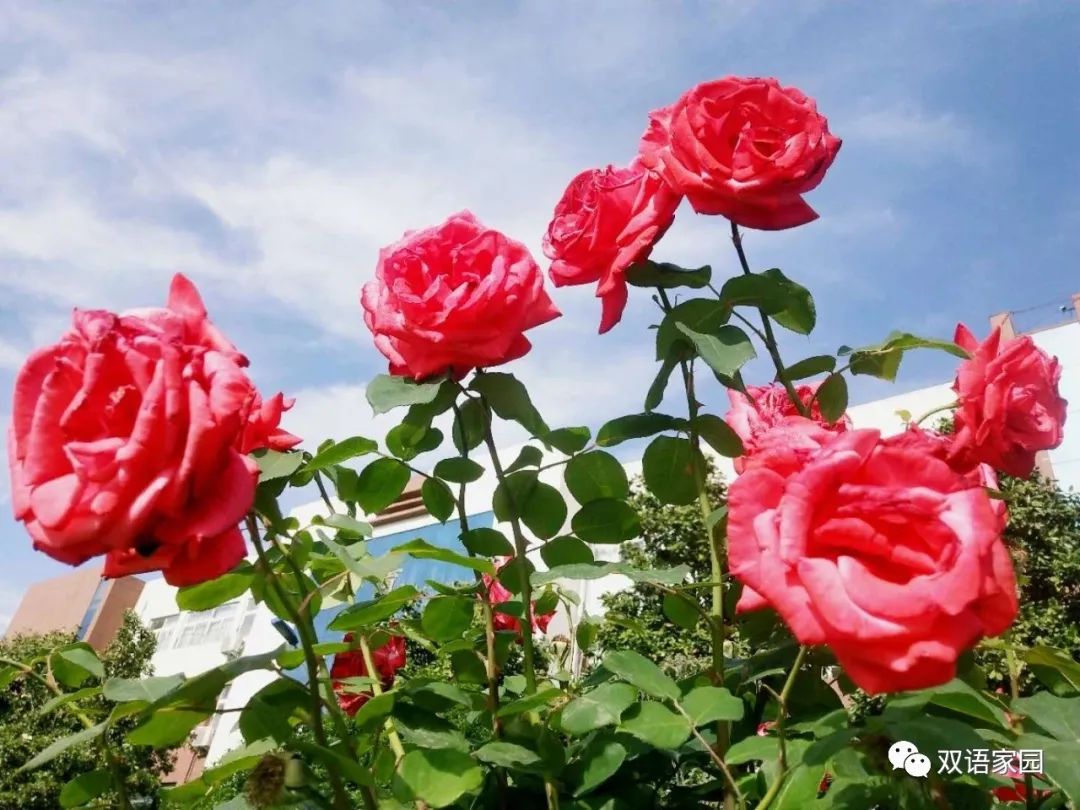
column 878, row 549
column 453, row 298
column 754, row 414
column 1009, row 403
column 744, row 148
column 388, row 659
column 128, row 439
column 497, row 594
column 607, row 220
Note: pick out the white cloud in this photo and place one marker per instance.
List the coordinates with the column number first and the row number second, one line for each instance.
column 919, row 134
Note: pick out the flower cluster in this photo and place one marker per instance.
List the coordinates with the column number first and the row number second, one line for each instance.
column 889, row 549
column 388, row 658
column 129, row 440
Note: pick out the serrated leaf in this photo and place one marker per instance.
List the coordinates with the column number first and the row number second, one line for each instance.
column 340, row 452
column 440, row 776
column 641, row 672
column 215, row 592
column 274, row 465
column 707, row 704
column 668, row 469
column 719, row 435
column 702, row 315
column 386, row 392
column 832, row 397
column 606, row 521
column 507, row 755
column 594, row 475
column 568, row 440
column 509, row 399
column 447, row 617
column 603, row 706
column 634, row 426
column 656, row 724
column 725, row 351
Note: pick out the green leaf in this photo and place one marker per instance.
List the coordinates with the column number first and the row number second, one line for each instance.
column 565, row 550
column 769, row 292
column 655, row 394
column 470, row 421
column 423, row 550
column 467, row 667
column 668, row 468
column 447, row 617
column 381, row 483
column 641, row 672
column 597, row 763
column 634, row 426
column 374, row 709
column 340, row 452
column 832, row 396
column 958, row 697
column 528, row 457
column 346, row 524
column 84, row 788
column 681, row 611
column 384, row 393
column 751, row 749
column 699, row 314
column 654, row 723
column 529, row 702
column 539, row 505
column 883, row 359
column 166, row 726
column 568, row 440
column 274, row 465
column 459, row 470
column 800, row 788
column 508, row 397
column 595, row 475
column 487, row 543
column 74, row 663
column 707, row 704
column 408, row 441
column 346, row 765
column 667, row 276
column 800, row 315
column 1055, row 668
column 661, row 576
column 586, row 634
column 123, row 690
column 719, row 435
column 267, row 712
column 725, row 351
column 438, row 499
column 1058, row 716
column 603, row 706
column 1059, row 763
column 440, row 776
column 507, row 755
column 373, row 611
column 810, row 367
column 215, row 592
column 57, row 747
column 606, row 521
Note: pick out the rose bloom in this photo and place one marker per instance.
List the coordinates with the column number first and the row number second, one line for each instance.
column 607, row 220
column 754, row 414
column 497, row 594
column 129, row 437
column 453, row 298
column 745, row 148
column 388, row 659
column 1009, row 403
column 877, row 548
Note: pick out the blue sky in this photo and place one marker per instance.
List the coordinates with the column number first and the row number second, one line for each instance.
column 269, row 149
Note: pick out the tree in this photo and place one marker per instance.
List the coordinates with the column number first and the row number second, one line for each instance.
column 25, row 729
column 636, row 619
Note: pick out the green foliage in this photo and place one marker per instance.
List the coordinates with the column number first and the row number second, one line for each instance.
column 28, row 726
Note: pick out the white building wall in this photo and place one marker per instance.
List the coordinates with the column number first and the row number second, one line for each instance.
column 1064, row 343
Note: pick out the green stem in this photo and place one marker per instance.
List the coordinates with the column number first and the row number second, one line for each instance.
column 770, row 337
column 782, row 698
column 376, row 688
column 110, row 755
column 932, row 411
column 311, row 660
column 521, row 548
column 716, row 551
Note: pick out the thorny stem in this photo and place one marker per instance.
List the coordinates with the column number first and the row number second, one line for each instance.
column 110, row 755
column 782, row 699
column 337, row 786
column 715, row 543
column 715, row 757
column 521, row 549
column 770, row 337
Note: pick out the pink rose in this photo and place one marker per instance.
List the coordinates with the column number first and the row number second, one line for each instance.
column 128, row 439
column 755, row 414
column 607, row 220
column 745, row 148
column 878, row 549
column 1010, row 407
column 388, row 659
column 497, row 594
column 453, row 298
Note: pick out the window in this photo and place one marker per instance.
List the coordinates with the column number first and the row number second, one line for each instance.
column 205, row 627
column 164, row 628
column 92, row 609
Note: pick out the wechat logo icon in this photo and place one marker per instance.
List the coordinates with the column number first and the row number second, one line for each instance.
column 904, row 755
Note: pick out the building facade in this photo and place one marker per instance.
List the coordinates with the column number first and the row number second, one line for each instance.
column 80, row 602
